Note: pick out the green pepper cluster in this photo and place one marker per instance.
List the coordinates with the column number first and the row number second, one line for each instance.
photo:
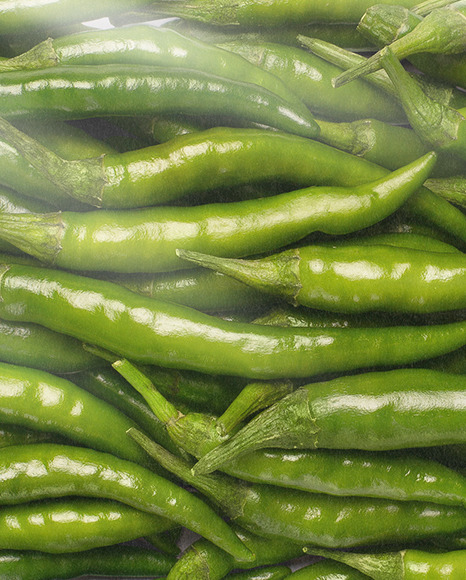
column 232, row 289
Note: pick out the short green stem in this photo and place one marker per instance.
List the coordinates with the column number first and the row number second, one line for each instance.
column 161, row 408
column 253, row 398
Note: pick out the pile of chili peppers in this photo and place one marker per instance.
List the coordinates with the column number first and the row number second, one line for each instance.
column 233, row 289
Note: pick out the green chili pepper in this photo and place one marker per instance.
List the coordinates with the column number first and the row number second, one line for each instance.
column 396, row 476
column 353, row 278
column 145, row 45
column 343, row 34
column 324, row 520
column 213, row 292
column 34, row 346
column 383, row 25
column 443, row 31
column 115, row 561
column 391, row 476
column 452, row 189
column 438, row 125
column 73, row 471
column 442, row 92
column 204, row 561
column 405, row 565
column 154, row 332
column 154, row 175
column 310, row 77
column 81, row 92
column 252, row 13
column 146, row 240
column 197, row 288
column 11, row 435
column 373, row 411
column 327, row 570
column 73, row 525
column 198, row 433
column 38, row 400
column 328, row 166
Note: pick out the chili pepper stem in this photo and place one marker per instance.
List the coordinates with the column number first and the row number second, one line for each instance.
column 452, row 189
column 42, row 242
column 253, row 398
column 162, row 408
column 434, row 122
column 282, row 274
column 352, row 137
column 219, row 488
column 198, row 433
column 388, row 566
column 42, row 55
column 293, row 408
column 81, row 179
column 424, row 38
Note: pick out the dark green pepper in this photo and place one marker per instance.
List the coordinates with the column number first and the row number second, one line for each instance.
column 150, row 331
column 115, row 561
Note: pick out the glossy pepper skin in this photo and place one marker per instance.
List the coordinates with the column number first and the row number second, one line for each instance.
column 405, row 565
column 34, row 346
column 334, row 168
column 38, row 400
column 325, row 520
column 144, row 44
column 373, row 411
column 310, row 77
column 155, row 332
column 187, row 165
column 253, row 13
column 353, row 278
column 396, row 476
column 84, row 92
column 74, row 471
column 205, row 561
column 146, row 240
column 115, row 561
column 73, row 525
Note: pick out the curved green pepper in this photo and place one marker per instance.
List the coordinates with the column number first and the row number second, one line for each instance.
column 351, row 278
column 373, row 411
column 74, row 525
column 115, row 561
column 154, row 332
column 405, row 565
column 146, row 240
column 72, row 471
